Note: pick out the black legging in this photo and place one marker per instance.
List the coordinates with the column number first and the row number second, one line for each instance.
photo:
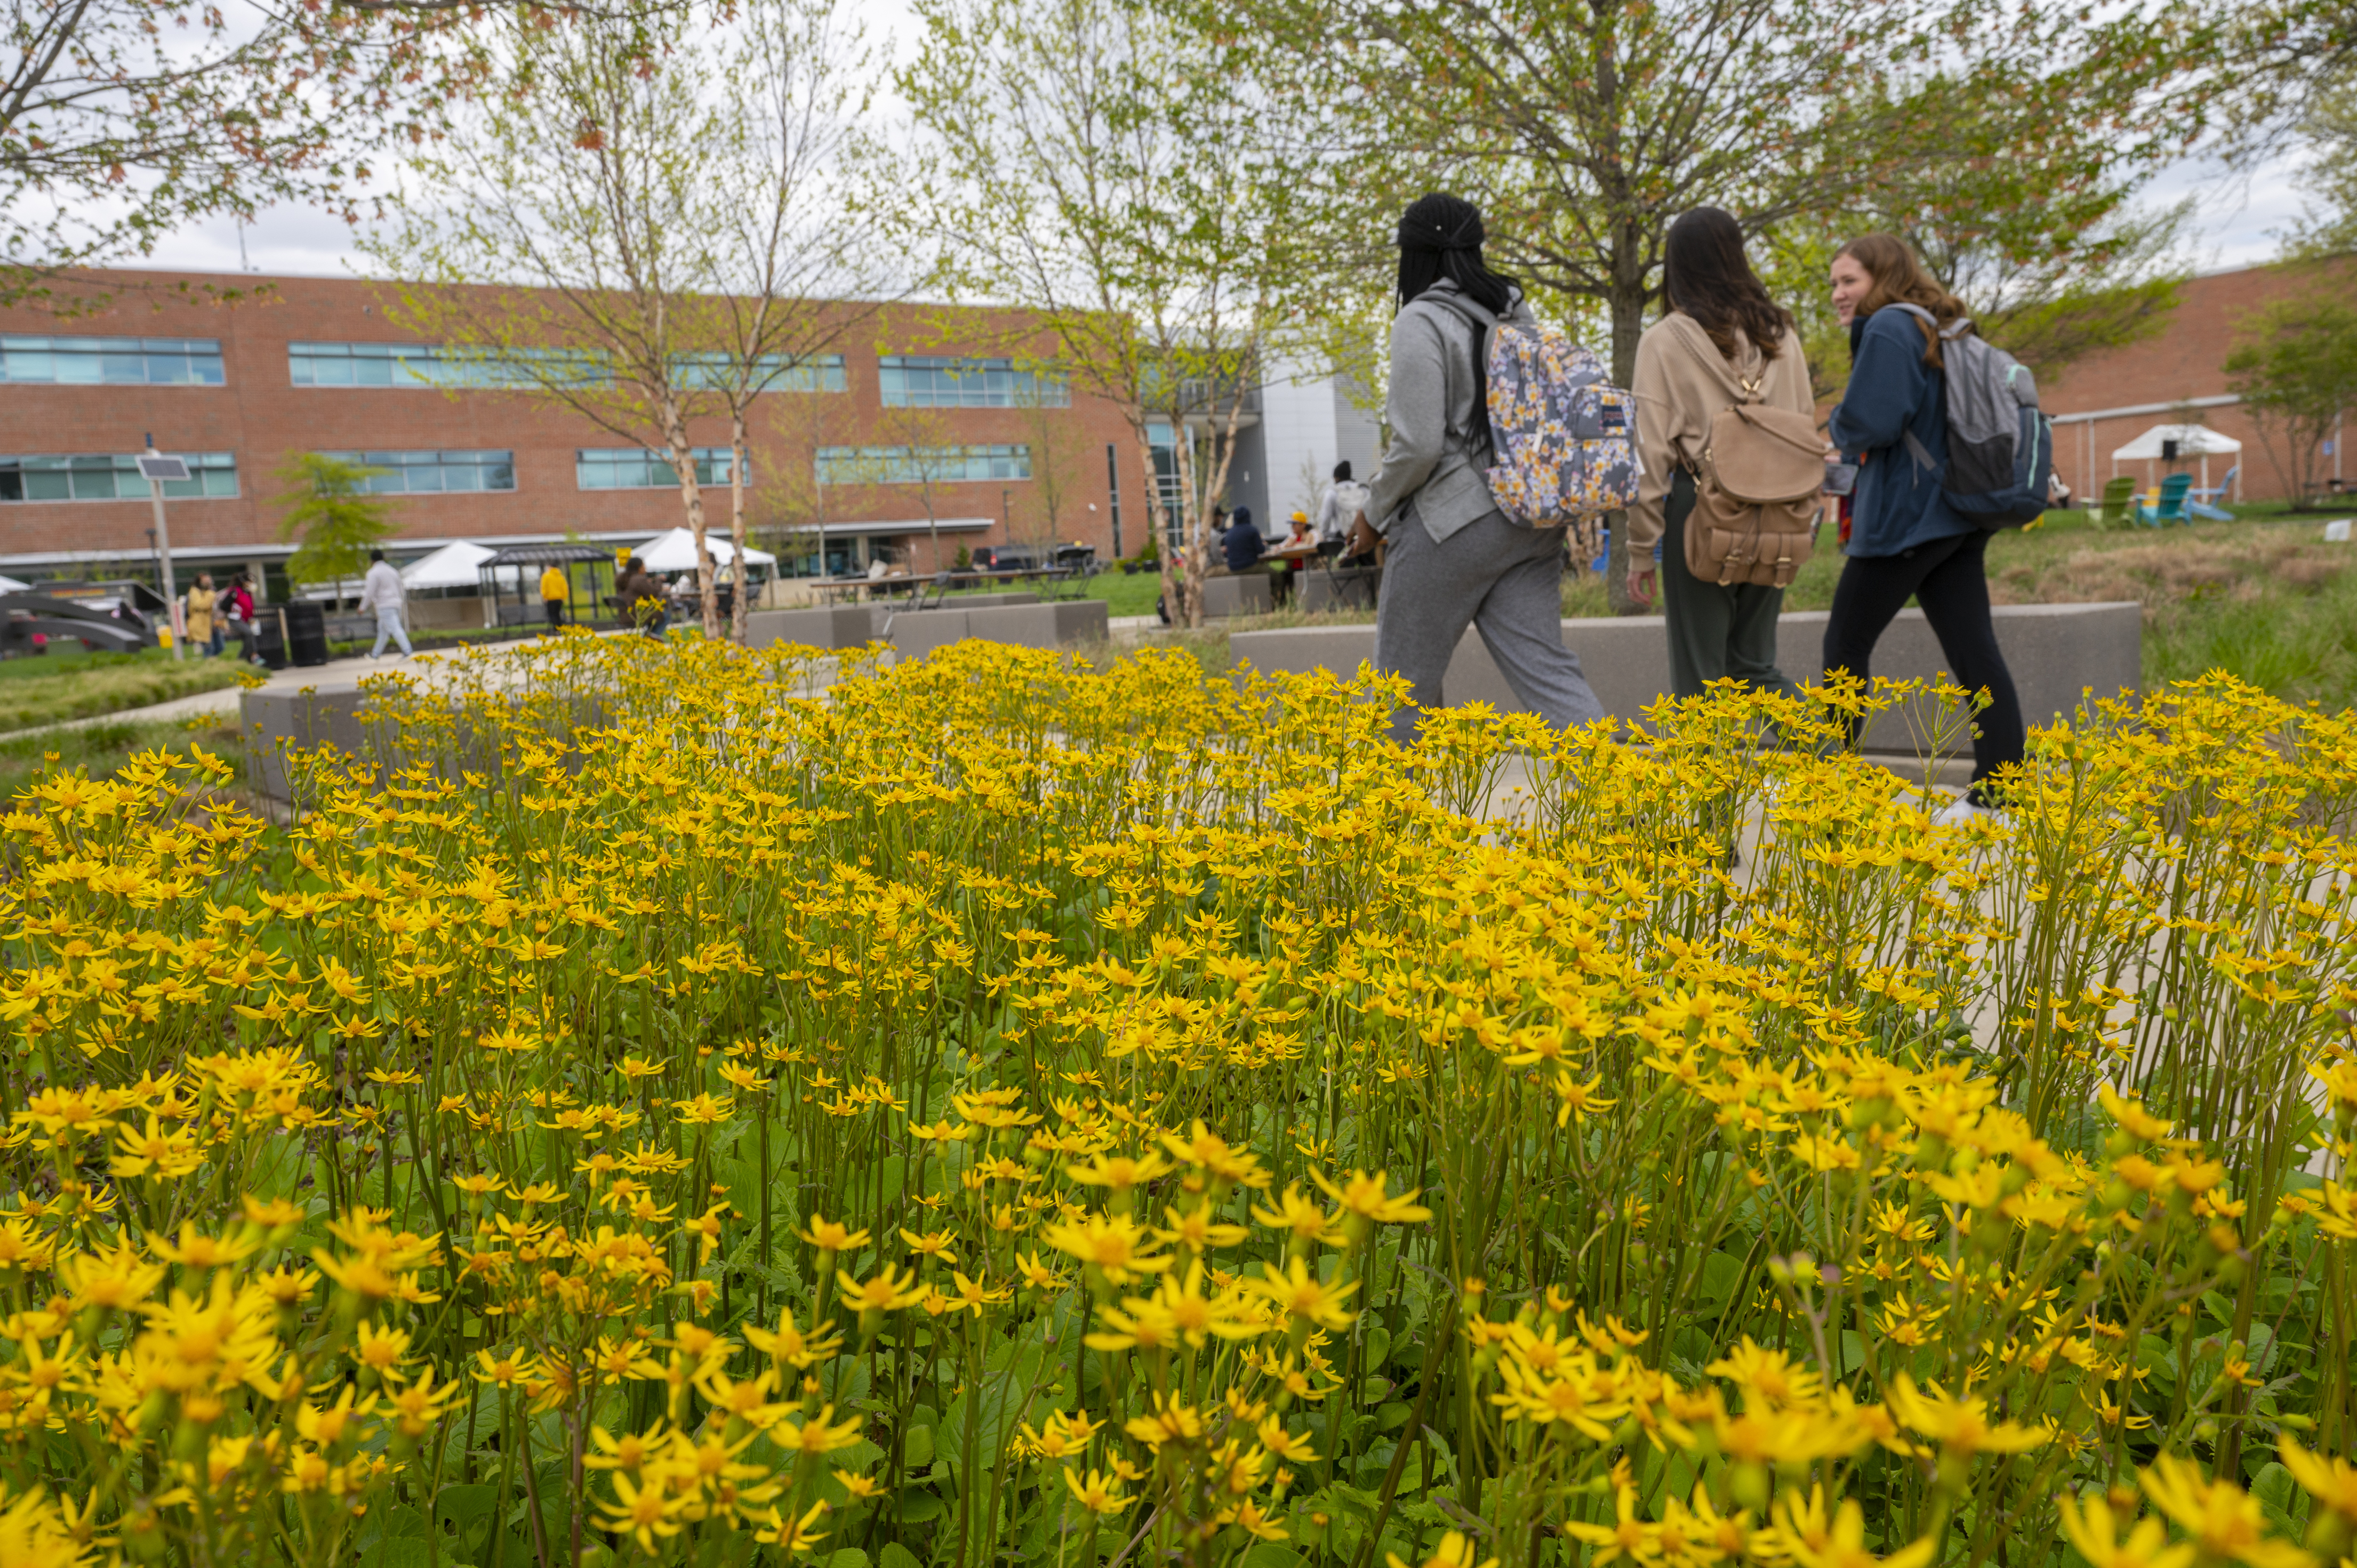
column 1949, row 578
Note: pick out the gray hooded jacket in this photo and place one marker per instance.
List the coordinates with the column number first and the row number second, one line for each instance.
column 1436, row 458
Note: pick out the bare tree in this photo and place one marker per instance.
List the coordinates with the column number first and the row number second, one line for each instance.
column 801, row 225
column 1108, row 168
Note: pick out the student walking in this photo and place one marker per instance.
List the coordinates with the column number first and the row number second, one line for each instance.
column 1453, row 559
column 382, row 591
column 203, row 629
column 554, row 591
column 1723, row 343
column 1904, row 537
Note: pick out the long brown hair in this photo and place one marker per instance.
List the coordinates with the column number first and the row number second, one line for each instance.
column 1899, row 278
column 1710, row 282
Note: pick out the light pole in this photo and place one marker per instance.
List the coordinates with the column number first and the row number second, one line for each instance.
column 155, row 467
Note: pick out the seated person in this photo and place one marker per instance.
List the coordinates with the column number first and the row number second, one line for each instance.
column 1289, row 573
column 1242, row 542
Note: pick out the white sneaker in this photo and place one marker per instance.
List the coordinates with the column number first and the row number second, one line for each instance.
column 1960, row 812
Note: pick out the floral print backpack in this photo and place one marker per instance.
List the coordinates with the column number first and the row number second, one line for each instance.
column 1564, row 439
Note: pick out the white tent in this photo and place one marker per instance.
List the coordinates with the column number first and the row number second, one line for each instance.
column 10, row 585
column 452, row 566
column 2192, row 441
column 675, row 551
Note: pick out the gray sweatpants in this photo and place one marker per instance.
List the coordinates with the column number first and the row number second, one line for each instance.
column 1507, row 581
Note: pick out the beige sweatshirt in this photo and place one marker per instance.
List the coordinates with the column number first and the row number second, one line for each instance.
column 1679, row 392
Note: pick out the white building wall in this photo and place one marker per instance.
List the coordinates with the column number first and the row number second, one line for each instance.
column 1299, row 442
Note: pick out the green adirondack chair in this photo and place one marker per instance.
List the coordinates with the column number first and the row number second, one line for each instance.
column 2116, row 505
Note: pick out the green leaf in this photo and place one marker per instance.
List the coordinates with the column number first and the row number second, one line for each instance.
column 918, row 1506
column 895, row 1555
column 849, row 1557
column 917, row 1447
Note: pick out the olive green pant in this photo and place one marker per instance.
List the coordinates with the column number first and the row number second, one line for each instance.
column 1715, row 633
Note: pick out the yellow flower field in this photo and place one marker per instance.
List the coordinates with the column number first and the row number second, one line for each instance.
column 1010, row 1111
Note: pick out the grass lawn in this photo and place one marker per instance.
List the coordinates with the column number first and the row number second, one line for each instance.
column 69, row 682
column 105, row 747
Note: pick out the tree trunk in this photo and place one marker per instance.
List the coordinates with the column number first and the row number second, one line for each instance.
column 1627, row 302
column 1157, row 524
column 683, row 463
column 744, row 572
column 1194, row 559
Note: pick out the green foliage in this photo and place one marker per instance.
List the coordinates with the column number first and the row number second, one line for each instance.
column 2295, row 364
column 339, row 521
column 65, row 684
column 2330, row 127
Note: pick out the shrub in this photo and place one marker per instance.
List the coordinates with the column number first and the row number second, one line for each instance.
column 1011, row 1110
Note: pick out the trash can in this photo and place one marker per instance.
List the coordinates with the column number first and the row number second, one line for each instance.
column 307, row 633
column 270, row 637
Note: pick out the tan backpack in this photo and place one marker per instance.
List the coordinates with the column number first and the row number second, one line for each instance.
column 1756, row 488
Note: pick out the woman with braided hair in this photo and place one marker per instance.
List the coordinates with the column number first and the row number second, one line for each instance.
column 1452, row 559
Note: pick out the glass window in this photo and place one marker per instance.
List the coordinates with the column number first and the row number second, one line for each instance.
column 778, row 373
column 625, row 468
column 110, row 361
column 430, row 365
column 432, row 473
column 921, row 465
column 913, row 381
column 115, row 476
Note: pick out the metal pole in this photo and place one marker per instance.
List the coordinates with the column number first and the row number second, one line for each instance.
column 164, row 553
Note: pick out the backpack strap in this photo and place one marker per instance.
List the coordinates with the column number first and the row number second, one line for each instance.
column 1483, row 323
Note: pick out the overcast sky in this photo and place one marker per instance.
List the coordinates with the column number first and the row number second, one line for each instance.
column 2236, row 220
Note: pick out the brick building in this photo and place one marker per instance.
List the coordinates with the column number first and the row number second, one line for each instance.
column 853, row 447
column 2102, row 403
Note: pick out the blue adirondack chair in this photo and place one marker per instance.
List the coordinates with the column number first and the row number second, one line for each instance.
column 2172, row 503
column 2200, row 503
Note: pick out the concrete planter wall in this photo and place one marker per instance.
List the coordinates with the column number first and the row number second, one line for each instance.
column 2053, row 650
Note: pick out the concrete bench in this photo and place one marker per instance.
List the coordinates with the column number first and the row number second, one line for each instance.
column 828, row 625
column 2053, row 650
column 1353, row 589
column 1226, row 598
column 1058, row 624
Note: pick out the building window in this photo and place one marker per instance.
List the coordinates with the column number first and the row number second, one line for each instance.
column 627, row 469
column 110, row 361
column 919, row 382
column 777, row 372
column 432, row 473
column 426, row 365
column 921, row 465
column 103, row 478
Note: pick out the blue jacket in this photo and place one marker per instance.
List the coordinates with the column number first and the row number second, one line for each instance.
column 1244, row 545
column 1891, row 392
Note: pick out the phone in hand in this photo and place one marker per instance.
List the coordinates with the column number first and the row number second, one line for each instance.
column 1841, row 479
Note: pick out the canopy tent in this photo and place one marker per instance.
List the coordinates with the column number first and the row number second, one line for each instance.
column 452, row 566
column 10, row 585
column 2193, row 441
column 675, row 551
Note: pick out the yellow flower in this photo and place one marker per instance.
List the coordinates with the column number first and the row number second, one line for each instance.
column 1306, row 1300
column 1099, row 1493
column 889, row 1291
column 1961, row 1426
column 829, row 1237
column 1454, row 1551
column 1364, row 1196
column 1114, row 1245
column 1296, row 1213
column 2092, row 1528
column 2223, row 1519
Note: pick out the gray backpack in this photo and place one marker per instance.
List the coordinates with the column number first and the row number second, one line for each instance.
column 2000, row 447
